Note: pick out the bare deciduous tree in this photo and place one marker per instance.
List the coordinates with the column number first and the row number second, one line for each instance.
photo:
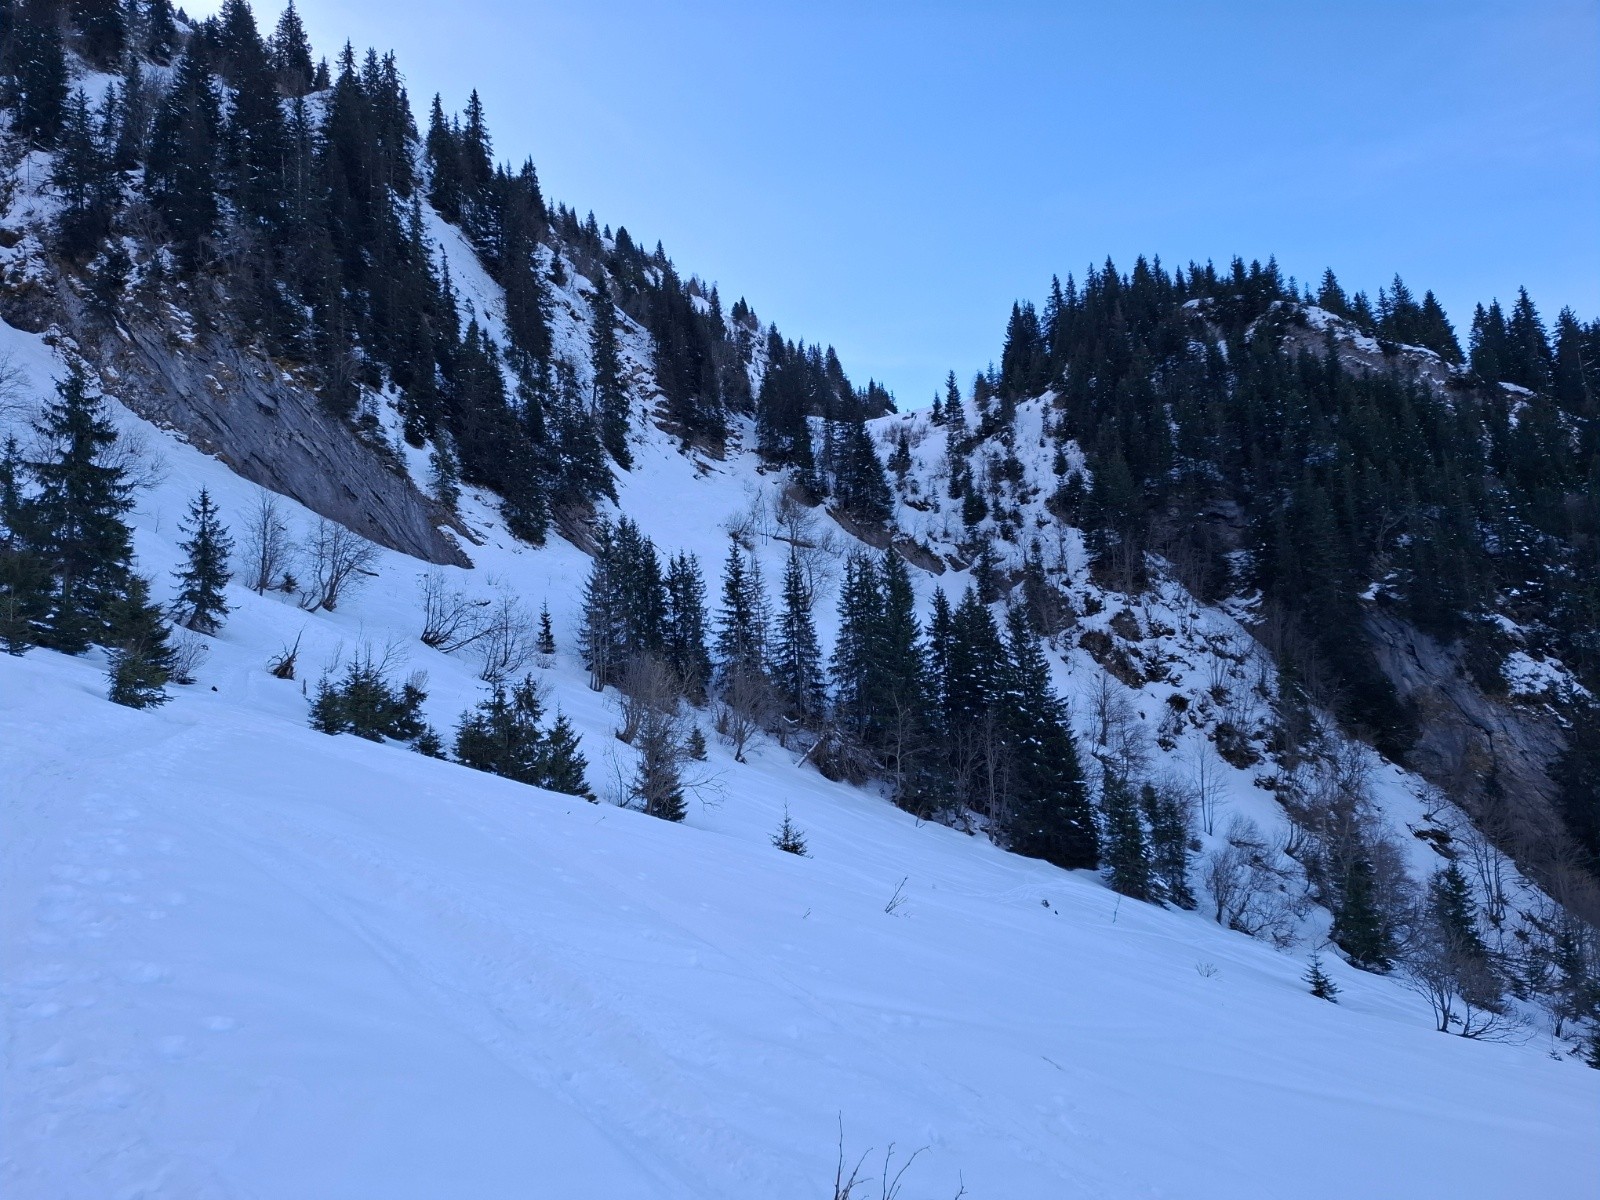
column 748, row 705
column 267, row 550
column 336, row 557
column 508, row 641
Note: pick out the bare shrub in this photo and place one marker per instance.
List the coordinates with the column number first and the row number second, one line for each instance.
column 336, row 557
column 16, row 399
column 268, row 552
column 1250, row 885
column 647, row 685
column 451, row 619
column 749, row 704
column 188, row 654
column 508, row 641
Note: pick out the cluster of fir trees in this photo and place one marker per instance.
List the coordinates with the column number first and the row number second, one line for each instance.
column 801, row 383
column 66, row 555
column 957, row 716
column 502, row 734
column 295, row 192
column 1460, row 505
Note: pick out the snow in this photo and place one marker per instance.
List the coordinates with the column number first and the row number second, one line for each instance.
column 238, row 957
column 245, row 958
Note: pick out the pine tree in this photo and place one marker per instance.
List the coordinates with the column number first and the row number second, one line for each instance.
column 657, row 785
column 546, row 644
column 82, row 175
column 502, row 734
column 77, row 515
column 562, row 766
column 182, row 172
column 1127, row 853
column 141, row 659
column 201, row 605
column 291, row 53
column 610, row 396
column 1358, row 926
column 35, row 69
column 24, row 577
column 685, row 647
column 1168, row 818
column 1322, row 987
column 790, row 838
column 742, row 623
column 796, row 653
column 1047, row 815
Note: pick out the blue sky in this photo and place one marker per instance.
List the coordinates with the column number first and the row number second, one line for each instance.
column 889, row 177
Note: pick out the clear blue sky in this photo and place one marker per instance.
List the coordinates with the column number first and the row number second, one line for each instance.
column 889, row 177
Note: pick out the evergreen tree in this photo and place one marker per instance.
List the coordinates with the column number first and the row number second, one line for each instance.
column 685, row 645
column 291, row 53
column 562, row 765
column 657, row 785
column 1048, row 814
column 181, row 174
column 82, row 175
column 546, row 644
column 77, row 514
column 35, row 69
column 141, row 659
column 611, row 397
column 200, row 604
column 1127, row 853
column 796, row 653
column 25, row 583
column 1168, row 819
column 502, row 735
column 789, row 838
column 1322, row 987
column 742, row 623
column 1359, row 928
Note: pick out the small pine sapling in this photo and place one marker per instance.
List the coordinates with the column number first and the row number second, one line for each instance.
column 790, row 838
column 1322, row 986
column 546, row 644
column 695, row 745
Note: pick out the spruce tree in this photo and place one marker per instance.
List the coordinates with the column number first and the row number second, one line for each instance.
column 546, row 644
column 1168, row 818
column 77, row 514
column 1047, row 815
column 1359, row 928
column 1127, row 853
column 790, row 838
column 685, row 646
column 562, row 766
column 796, row 653
column 35, row 69
column 1322, row 987
column 610, row 396
column 24, row 576
column 502, row 736
column 200, row 604
column 141, row 659
column 741, row 644
column 657, row 786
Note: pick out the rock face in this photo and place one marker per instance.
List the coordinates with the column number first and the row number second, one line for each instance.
column 1493, row 756
column 237, row 405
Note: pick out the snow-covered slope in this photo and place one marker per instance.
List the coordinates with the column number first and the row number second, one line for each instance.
column 243, row 958
column 240, row 958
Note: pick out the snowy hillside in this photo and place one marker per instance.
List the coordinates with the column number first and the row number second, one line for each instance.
column 244, row 958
